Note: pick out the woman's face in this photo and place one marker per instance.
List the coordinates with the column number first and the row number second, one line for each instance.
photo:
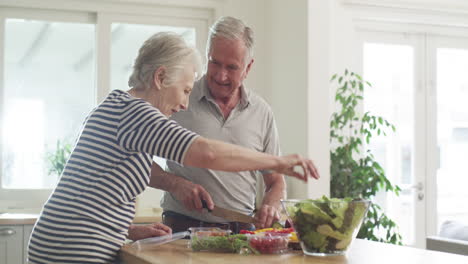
column 175, row 97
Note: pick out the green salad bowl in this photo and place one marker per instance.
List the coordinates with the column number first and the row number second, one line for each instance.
column 326, row 226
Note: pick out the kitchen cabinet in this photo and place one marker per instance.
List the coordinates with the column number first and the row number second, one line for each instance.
column 14, row 243
column 27, row 229
column 11, row 244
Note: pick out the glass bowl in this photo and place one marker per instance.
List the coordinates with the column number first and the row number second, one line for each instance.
column 268, row 243
column 209, row 239
column 326, row 227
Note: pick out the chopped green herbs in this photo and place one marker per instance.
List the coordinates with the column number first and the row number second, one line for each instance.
column 228, row 244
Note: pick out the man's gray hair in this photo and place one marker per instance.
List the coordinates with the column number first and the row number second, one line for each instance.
column 166, row 49
column 231, row 28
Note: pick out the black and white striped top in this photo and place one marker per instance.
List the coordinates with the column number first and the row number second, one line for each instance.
column 87, row 217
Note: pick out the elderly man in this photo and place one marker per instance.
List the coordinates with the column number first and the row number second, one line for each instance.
column 222, row 108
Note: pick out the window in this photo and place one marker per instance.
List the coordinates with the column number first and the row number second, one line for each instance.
column 49, row 87
column 57, row 65
column 127, row 39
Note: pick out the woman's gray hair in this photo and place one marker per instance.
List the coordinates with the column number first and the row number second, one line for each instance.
column 166, row 49
column 231, row 28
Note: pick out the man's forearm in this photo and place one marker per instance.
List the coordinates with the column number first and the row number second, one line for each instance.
column 161, row 179
column 191, row 195
column 275, row 190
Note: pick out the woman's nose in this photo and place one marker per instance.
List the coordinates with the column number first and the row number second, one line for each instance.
column 184, row 104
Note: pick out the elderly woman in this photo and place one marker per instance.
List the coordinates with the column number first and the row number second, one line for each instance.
column 88, row 215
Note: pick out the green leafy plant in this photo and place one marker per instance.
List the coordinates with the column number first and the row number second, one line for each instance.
column 58, row 158
column 354, row 170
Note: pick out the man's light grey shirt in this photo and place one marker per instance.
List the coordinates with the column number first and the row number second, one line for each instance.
column 250, row 124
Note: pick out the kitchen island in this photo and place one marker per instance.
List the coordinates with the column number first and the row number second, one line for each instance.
column 361, row 252
column 16, row 228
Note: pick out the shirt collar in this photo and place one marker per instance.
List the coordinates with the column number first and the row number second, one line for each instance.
column 205, row 93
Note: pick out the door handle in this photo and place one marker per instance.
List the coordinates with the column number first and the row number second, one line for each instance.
column 7, row 232
column 418, row 186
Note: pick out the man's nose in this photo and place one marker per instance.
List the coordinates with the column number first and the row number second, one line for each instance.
column 221, row 75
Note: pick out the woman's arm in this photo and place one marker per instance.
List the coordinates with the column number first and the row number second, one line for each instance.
column 217, row 155
column 137, row 232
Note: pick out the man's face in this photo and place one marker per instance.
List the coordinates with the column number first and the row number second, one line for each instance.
column 227, row 67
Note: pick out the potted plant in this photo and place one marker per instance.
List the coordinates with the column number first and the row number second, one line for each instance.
column 58, row 158
column 354, row 170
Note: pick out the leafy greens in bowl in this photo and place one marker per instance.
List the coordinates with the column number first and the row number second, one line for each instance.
column 326, row 227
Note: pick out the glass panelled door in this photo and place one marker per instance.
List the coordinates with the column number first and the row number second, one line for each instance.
column 421, row 86
column 389, row 65
column 449, row 83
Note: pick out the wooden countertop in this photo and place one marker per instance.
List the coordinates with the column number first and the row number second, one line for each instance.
column 30, row 219
column 361, row 252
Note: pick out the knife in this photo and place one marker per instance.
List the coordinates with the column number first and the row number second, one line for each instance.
column 230, row 215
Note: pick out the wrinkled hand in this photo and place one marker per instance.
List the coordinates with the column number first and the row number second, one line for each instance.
column 266, row 216
column 191, row 196
column 290, row 161
column 137, row 232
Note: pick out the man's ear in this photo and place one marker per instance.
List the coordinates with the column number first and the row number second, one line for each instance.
column 159, row 76
column 248, row 67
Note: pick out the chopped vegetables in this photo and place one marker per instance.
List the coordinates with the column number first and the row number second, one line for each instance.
column 228, row 244
column 264, row 241
column 269, row 230
column 219, row 240
column 268, row 243
column 273, row 231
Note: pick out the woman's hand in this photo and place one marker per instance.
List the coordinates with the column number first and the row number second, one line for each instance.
column 287, row 164
column 137, row 232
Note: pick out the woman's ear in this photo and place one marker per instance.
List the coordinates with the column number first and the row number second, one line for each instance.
column 159, row 76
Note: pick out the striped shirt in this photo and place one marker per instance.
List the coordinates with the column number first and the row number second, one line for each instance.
column 87, row 217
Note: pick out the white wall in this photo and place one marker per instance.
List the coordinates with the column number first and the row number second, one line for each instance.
column 253, row 14
column 287, row 78
column 319, row 40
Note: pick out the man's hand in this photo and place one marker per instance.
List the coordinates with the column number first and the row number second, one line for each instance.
column 191, row 195
column 186, row 192
column 137, row 232
column 266, row 216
